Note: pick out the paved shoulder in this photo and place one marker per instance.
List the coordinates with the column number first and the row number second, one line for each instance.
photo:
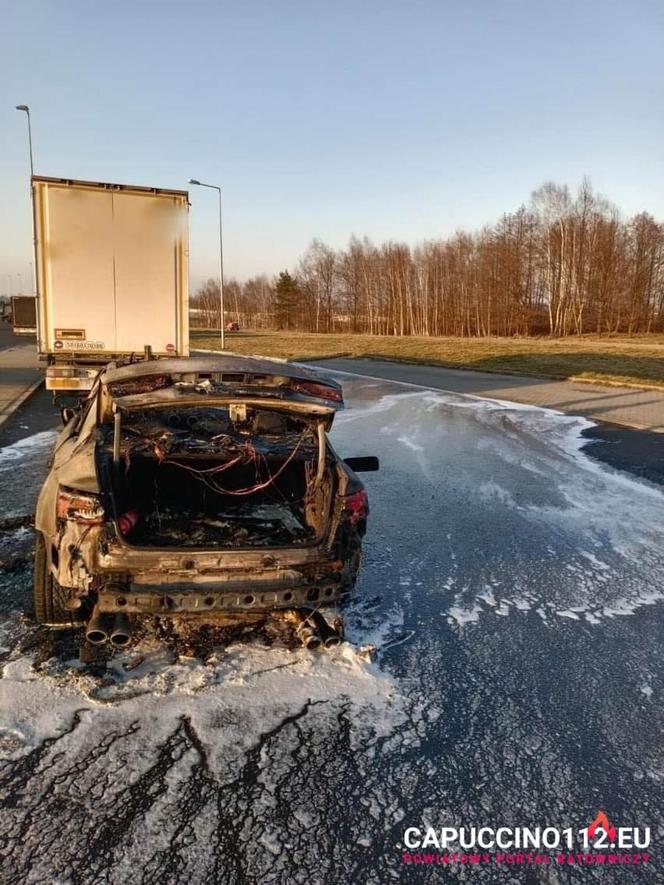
column 19, row 376
column 643, row 409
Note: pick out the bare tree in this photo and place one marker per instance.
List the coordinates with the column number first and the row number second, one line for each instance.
column 564, row 265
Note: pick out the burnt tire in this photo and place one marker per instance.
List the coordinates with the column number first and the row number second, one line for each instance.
column 47, row 594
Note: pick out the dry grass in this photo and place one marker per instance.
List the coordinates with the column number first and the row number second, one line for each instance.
column 633, row 360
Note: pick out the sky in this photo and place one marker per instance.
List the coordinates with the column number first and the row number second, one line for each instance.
column 395, row 120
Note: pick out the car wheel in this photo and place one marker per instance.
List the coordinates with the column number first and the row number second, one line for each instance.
column 47, row 594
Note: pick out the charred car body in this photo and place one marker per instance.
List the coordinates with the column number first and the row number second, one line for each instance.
column 199, row 489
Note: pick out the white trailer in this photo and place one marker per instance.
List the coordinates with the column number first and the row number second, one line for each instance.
column 112, row 271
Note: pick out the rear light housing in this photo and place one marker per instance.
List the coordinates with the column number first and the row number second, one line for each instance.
column 356, row 506
column 320, row 391
column 140, row 385
column 79, row 507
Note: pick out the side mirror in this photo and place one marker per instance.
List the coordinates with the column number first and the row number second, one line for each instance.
column 363, row 465
column 66, row 414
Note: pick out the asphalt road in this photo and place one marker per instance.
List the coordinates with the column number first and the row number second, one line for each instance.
column 630, row 448
column 7, row 338
column 513, row 587
column 624, row 406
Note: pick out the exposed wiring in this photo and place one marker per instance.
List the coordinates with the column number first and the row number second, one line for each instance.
column 247, row 455
column 261, row 484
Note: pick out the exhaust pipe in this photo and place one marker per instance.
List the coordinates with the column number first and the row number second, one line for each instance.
column 98, row 628
column 121, row 631
column 304, row 630
column 312, row 629
column 328, row 634
column 307, row 635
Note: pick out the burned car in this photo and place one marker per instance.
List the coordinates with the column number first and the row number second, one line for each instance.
column 202, row 489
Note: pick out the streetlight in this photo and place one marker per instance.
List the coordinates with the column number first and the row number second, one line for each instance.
column 221, row 258
column 26, row 110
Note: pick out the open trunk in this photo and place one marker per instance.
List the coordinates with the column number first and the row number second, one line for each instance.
column 219, row 478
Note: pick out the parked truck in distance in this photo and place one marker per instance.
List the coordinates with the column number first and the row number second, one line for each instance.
column 24, row 315
column 112, row 265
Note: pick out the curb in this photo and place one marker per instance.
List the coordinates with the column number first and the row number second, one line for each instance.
column 20, row 399
column 631, row 385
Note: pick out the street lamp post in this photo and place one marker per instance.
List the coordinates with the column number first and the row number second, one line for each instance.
column 221, row 260
column 26, row 110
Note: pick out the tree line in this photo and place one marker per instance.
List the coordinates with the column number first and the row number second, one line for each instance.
column 565, row 264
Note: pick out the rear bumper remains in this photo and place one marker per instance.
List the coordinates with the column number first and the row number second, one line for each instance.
column 240, row 597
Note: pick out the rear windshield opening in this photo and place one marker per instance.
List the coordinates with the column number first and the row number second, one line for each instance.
column 217, row 477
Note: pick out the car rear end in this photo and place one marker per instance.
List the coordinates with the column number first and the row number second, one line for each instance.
column 224, row 501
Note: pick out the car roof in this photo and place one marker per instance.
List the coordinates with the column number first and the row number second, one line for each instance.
column 223, row 362
column 198, row 380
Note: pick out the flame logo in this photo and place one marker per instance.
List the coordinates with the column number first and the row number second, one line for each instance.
column 602, row 821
